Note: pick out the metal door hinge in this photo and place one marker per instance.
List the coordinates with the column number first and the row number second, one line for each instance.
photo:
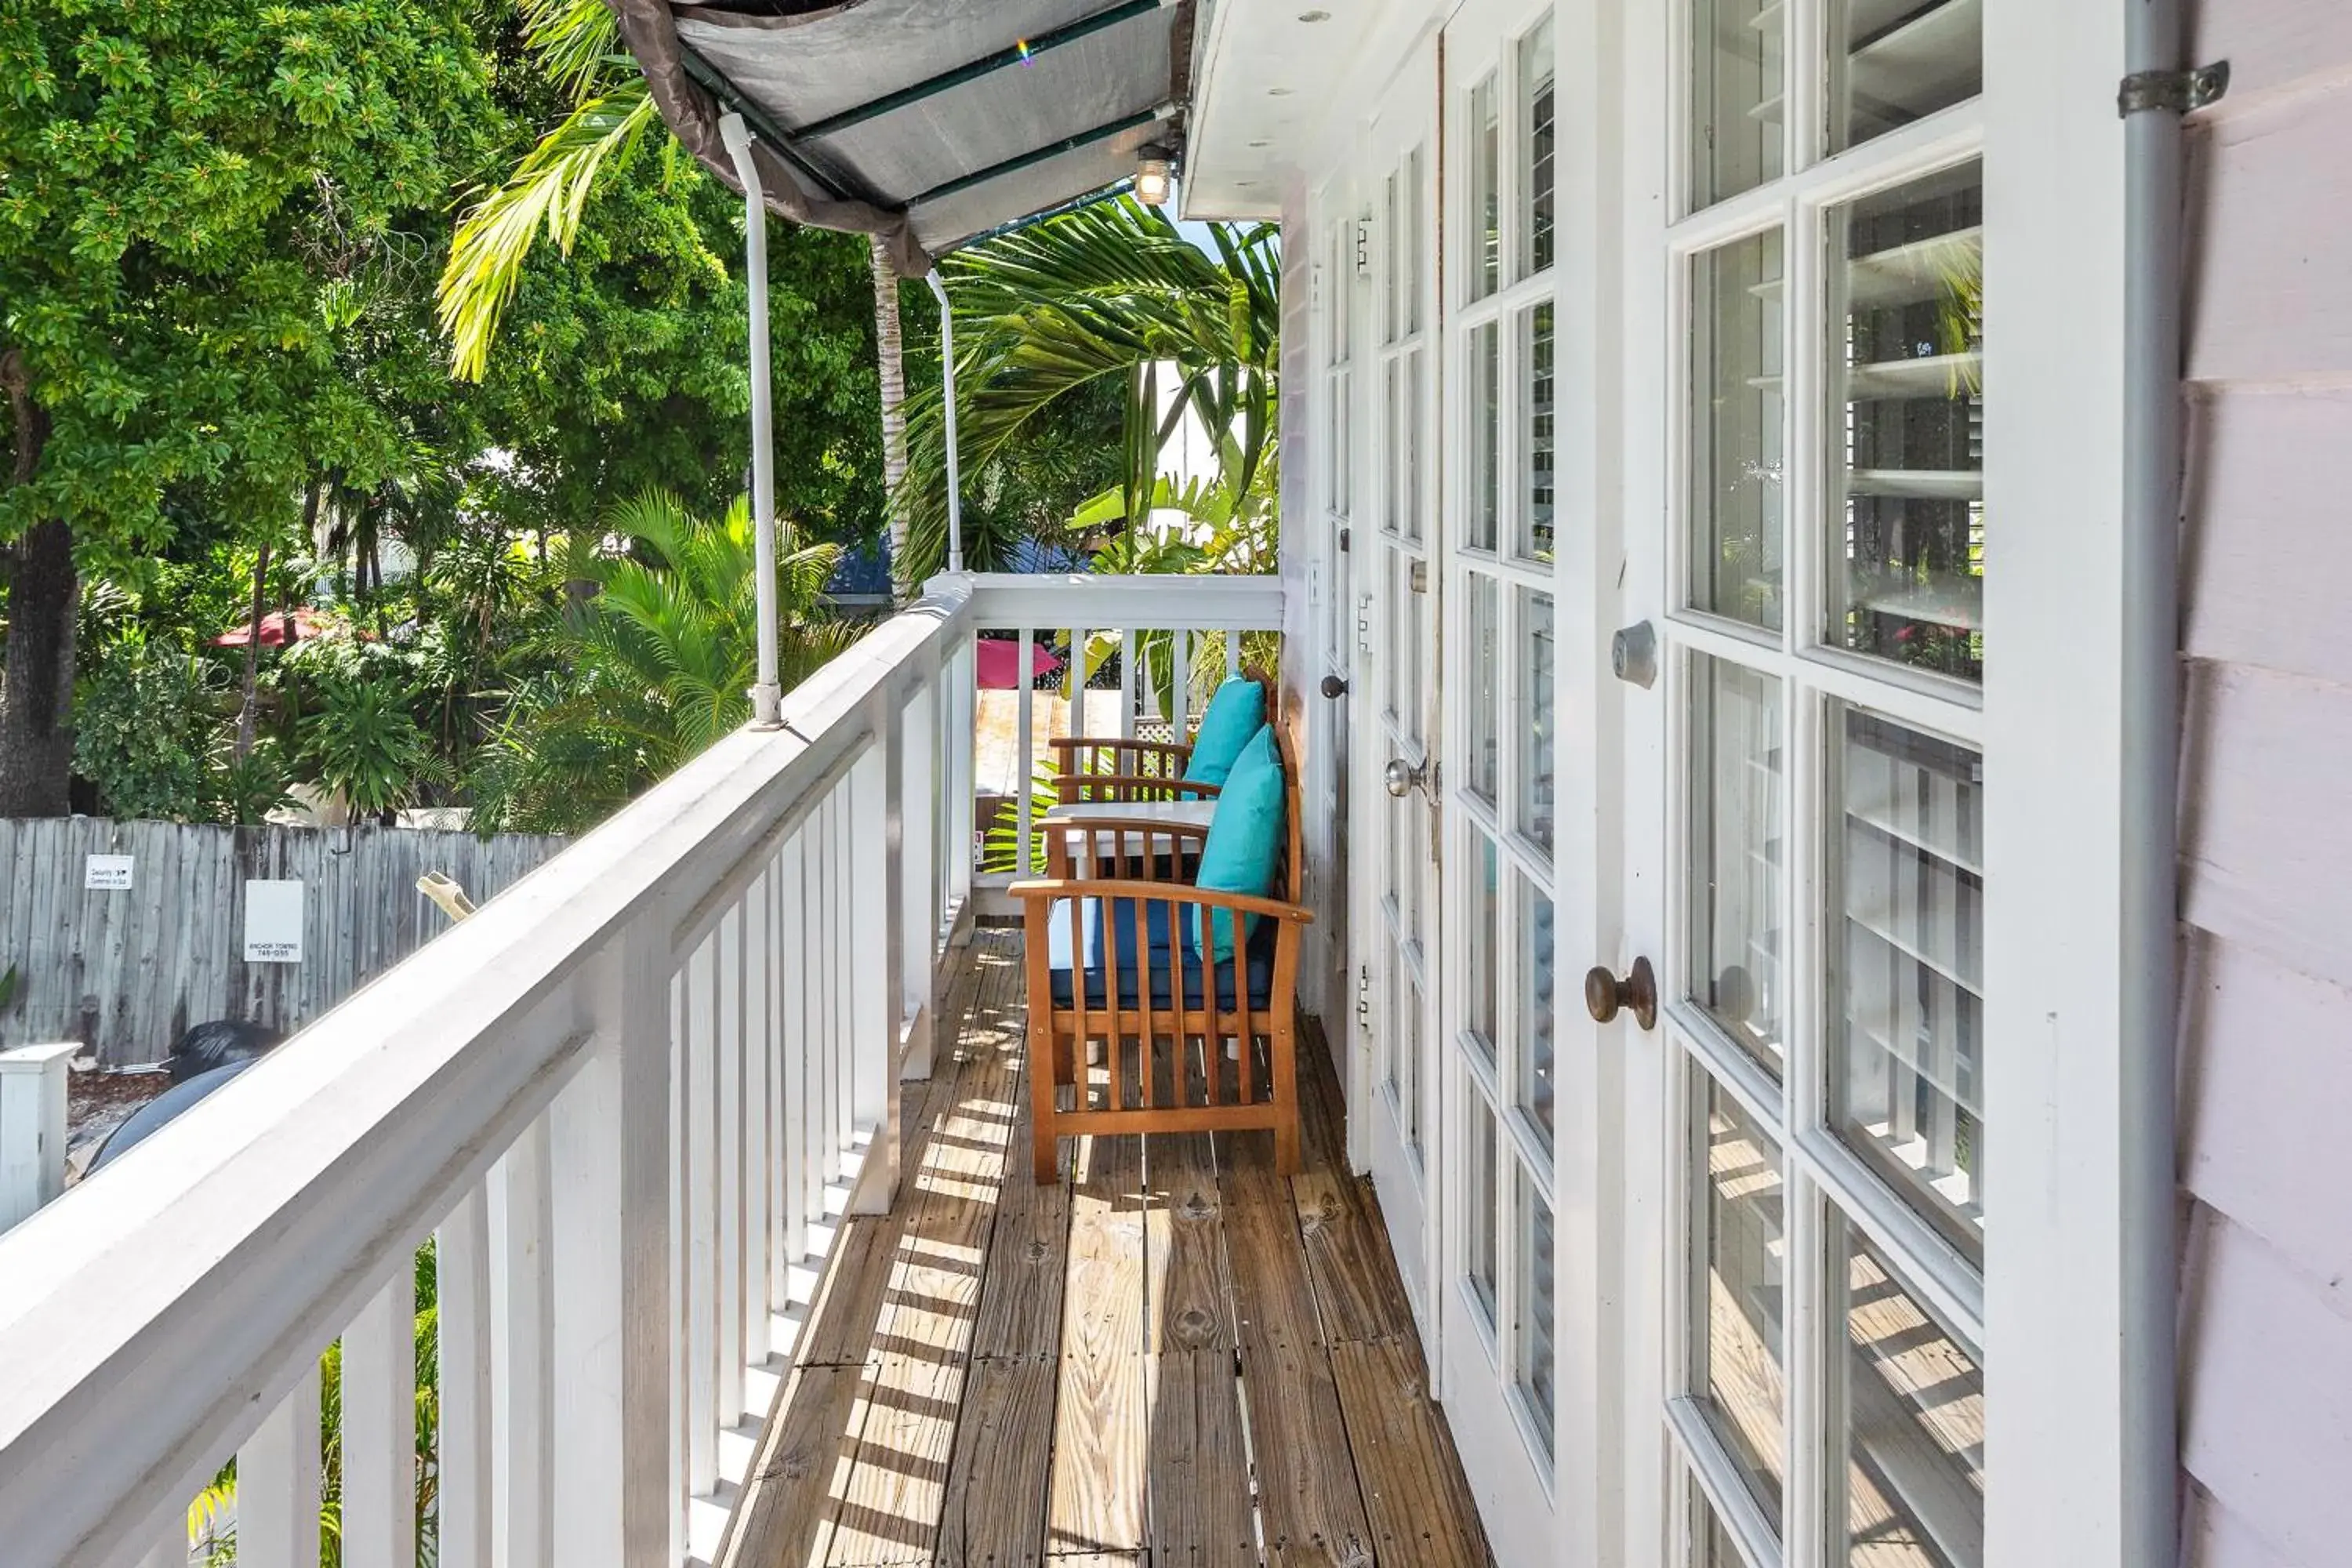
column 2174, row 92
column 1364, row 994
column 1363, row 247
column 1419, row 574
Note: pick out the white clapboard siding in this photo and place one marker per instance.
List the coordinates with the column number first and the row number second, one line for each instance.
column 2266, row 843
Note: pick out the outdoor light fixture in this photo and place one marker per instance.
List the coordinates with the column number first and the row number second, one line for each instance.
column 1151, row 176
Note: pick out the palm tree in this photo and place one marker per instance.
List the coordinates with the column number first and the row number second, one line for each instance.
column 577, row 43
column 891, row 364
column 1106, row 291
column 655, row 667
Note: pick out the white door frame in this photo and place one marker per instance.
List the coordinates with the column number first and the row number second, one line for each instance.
column 1396, row 712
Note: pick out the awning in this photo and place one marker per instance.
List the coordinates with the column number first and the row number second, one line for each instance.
column 928, row 122
column 997, row 663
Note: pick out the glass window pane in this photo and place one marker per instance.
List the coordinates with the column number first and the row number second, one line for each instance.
column 1393, row 287
column 1736, row 431
column 1481, row 1246
column 1416, row 237
column 1910, row 1412
column 1485, row 958
column 1486, row 397
column 1906, row 1078
column 1532, row 1359
column 1735, row 1356
column 1535, row 718
column 1416, row 1066
column 1712, row 1545
column 1485, row 189
column 1532, row 536
column 1408, row 445
column 1906, row 415
column 1479, row 613
column 1536, row 118
column 1737, row 81
column 1894, row 61
column 1736, row 834
column 1533, row 917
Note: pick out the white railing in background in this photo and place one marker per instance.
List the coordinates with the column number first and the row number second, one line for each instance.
column 626, row 1100
column 1203, row 620
column 32, row 1128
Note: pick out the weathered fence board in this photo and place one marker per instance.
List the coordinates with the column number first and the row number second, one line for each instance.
column 126, row 972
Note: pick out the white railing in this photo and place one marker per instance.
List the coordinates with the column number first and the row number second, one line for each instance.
column 624, row 1101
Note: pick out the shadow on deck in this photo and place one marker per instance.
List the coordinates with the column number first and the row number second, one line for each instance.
column 1175, row 1356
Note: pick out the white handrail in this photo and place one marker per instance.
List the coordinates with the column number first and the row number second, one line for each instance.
column 759, row 935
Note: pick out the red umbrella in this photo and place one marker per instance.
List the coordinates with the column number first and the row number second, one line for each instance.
column 308, row 623
column 999, row 663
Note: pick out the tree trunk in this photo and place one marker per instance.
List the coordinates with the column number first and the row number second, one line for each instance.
column 890, row 362
column 43, row 592
column 248, row 711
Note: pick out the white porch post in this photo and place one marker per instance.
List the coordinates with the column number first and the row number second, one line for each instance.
column 767, row 694
column 948, row 404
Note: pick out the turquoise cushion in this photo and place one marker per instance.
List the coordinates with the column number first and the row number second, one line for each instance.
column 1234, row 714
column 1244, row 840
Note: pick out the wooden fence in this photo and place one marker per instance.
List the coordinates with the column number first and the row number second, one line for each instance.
column 126, row 969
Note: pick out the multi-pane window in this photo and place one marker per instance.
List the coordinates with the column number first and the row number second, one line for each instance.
column 1826, row 981
column 1501, row 657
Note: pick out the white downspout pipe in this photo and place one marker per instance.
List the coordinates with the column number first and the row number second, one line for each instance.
column 767, row 694
column 948, row 399
column 2154, row 154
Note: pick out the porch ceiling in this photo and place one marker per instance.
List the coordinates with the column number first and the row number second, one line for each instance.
column 930, row 122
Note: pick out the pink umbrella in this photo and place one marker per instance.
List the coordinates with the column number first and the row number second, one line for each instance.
column 999, row 663
column 308, row 623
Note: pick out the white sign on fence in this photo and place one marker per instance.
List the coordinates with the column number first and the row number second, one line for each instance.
column 273, row 923
column 111, row 873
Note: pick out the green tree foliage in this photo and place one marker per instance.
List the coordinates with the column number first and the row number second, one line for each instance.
column 198, row 201
column 655, row 667
column 1093, row 297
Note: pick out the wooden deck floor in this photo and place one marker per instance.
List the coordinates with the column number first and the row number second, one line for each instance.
column 1173, row 1357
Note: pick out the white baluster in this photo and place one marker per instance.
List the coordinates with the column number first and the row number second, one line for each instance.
column 699, row 1159
column 1079, row 636
column 727, row 1407
column 612, row 1437
column 462, row 1291
column 802, row 1187
column 277, row 1484
column 842, row 920
column 877, row 924
column 759, row 1131
column 1181, row 685
column 378, row 1397
column 1126, row 684
column 522, row 1374
column 1233, row 653
column 914, row 780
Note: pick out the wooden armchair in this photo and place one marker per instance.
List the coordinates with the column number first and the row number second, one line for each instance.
column 1187, row 1045
column 1111, row 768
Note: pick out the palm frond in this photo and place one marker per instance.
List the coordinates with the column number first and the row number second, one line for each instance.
column 573, row 42
column 548, row 191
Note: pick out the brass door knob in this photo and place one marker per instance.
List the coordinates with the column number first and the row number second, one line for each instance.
column 1606, row 995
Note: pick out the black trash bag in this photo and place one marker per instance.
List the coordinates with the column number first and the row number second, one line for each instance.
column 217, row 1043
column 151, row 1117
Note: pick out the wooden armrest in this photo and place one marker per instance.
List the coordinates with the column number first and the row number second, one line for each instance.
column 1121, row 743
column 1168, row 782
column 1119, row 844
column 1040, row 893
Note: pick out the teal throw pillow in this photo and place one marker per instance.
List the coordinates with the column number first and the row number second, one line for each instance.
column 1244, row 841
column 1234, row 714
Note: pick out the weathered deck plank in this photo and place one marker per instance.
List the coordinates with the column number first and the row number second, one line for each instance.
column 1198, row 1463
column 1413, row 1487
column 1004, row 1374
column 1098, row 1480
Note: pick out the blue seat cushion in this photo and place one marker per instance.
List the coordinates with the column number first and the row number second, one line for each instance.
column 1233, row 715
column 1258, row 959
column 1244, row 840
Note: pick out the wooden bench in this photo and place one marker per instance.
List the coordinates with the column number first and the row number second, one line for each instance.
column 1188, row 1046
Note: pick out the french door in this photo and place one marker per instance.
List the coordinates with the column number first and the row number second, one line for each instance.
column 1503, row 877
column 1812, row 881
column 1396, row 695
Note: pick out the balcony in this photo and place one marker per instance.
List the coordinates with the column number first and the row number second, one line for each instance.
column 708, row 1123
